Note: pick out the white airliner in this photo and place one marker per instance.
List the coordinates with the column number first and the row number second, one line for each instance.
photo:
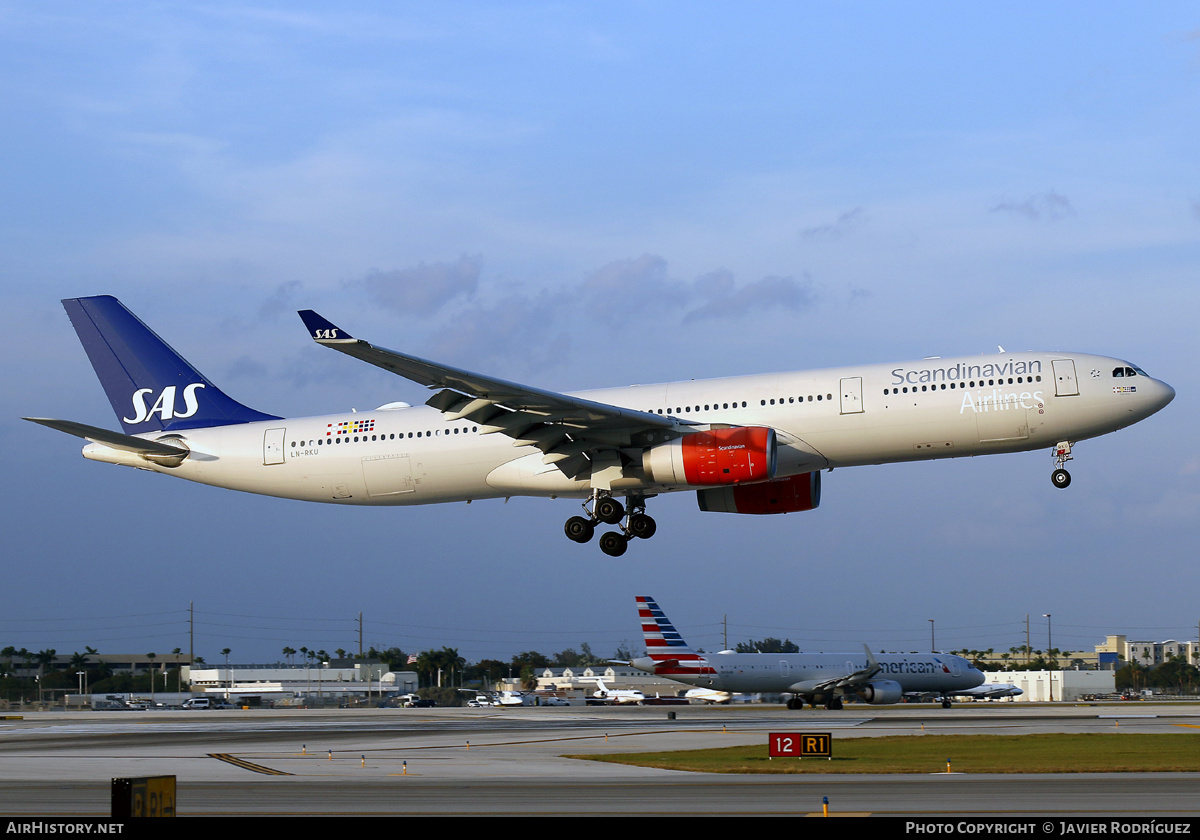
column 499, row 698
column 707, row 695
column 605, row 696
column 749, row 444
column 991, row 691
column 815, row 678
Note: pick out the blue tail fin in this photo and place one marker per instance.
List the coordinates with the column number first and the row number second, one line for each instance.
column 151, row 387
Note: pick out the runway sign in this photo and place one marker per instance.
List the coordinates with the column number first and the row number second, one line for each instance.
column 144, row 796
column 800, row 745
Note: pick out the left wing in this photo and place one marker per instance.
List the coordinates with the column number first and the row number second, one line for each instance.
column 571, row 432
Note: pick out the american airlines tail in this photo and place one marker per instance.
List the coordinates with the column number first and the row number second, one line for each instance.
column 666, row 651
column 168, row 394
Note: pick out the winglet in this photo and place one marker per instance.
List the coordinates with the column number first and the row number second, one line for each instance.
column 321, row 329
column 872, row 663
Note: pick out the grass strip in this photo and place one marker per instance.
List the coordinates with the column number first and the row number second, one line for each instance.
column 1050, row 753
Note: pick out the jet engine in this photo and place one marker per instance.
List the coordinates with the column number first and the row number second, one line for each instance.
column 784, row 495
column 881, row 692
column 715, row 457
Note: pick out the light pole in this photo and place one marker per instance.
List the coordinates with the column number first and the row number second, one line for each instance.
column 932, row 646
column 1049, row 646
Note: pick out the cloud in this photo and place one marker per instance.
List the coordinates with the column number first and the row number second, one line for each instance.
column 628, row 287
column 280, row 301
column 728, row 301
column 512, row 334
column 1050, row 205
column 846, row 223
column 423, row 289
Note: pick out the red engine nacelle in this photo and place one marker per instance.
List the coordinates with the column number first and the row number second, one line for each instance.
column 785, row 495
column 720, row 456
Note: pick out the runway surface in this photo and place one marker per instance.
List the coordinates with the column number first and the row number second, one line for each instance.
column 509, row 762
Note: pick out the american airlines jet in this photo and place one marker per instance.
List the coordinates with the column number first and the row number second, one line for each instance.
column 749, row 444
column 824, row 678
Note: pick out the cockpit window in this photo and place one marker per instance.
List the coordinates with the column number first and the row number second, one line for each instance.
column 1127, row 371
column 1118, row 372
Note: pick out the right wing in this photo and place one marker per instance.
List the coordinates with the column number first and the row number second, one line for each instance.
column 572, row 433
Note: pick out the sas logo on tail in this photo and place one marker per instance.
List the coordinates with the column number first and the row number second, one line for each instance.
column 164, row 406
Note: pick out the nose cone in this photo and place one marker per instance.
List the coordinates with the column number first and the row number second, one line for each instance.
column 1163, row 394
column 974, row 677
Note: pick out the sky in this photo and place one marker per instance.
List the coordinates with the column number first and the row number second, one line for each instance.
column 577, row 195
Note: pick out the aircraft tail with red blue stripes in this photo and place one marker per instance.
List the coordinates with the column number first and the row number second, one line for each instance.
column 665, row 648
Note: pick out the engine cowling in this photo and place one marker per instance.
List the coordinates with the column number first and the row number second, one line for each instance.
column 881, row 692
column 784, row 495
column 715, row 457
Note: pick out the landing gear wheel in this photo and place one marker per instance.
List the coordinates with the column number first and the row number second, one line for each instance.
column 1061, row 478
column 793, row 704
column 609, row 510
column 642, row 526
column 946, row 704
column 614, row 543
column 834, row 704
column 579, row 529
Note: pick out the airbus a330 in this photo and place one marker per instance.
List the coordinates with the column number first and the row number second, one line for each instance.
column 750, row 444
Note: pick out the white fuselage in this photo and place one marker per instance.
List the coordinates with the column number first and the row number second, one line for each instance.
column 800, row 673
column 934, row 408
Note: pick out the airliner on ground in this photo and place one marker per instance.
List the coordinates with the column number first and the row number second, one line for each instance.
column 605, row 696
column 815, row 678
column 991, row 691
column 749, row 444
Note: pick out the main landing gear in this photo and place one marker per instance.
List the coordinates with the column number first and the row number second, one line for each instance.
column 1062, row 454
column 833, row 702
column 608, row 510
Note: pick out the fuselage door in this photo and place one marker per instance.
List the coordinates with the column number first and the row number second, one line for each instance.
column 273, row 446
column 1065, row 384
column 852, row 395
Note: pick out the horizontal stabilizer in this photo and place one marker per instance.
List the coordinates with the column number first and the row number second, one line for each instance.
column 113, row 440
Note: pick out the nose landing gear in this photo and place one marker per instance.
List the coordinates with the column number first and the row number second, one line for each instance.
column 608, row 510
column 1062, row 453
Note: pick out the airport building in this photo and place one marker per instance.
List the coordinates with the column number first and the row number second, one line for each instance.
column 1117, row 650
column 1042, row 686
column 581, row 681
column 322, row 685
